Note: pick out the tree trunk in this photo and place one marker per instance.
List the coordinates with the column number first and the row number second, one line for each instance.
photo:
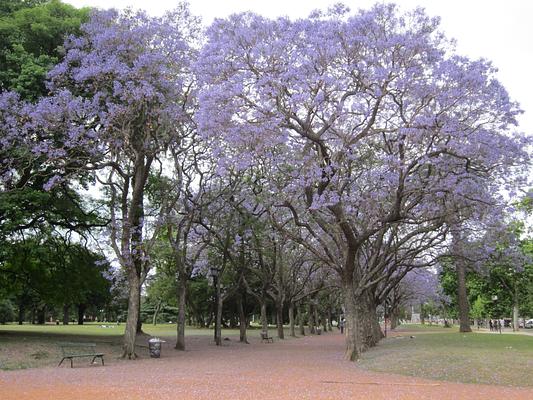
column 81, row 312
column 66, row 314
column 41, row 315
column 394, row 318
column 311, row 319
column 182, row 300
column 218, row 322
column 264, row 321
column 353, row 344
column 21, row 312
column 133, row 314
column 515, row 313
column 243, row 323
column 301, row 320
column 139, row 328
column 330, row 328
column 460, row 267
column 156, row 312
column 279, row 319
column 462, row 298
column 291, row 319
column 360, row 324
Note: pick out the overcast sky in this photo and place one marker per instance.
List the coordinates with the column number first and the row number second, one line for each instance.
column 501, row 31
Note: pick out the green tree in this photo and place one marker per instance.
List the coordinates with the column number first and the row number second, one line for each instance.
column 7, row 313
column 31, row 39
column 43, row 272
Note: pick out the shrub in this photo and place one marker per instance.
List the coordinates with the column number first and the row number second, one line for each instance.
column 7, row 314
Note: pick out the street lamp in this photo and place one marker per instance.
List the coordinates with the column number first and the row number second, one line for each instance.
column 214, row 272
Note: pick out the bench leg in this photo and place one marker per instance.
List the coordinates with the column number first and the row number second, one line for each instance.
column 101, row 359
column 71, row 365
column 60, row 362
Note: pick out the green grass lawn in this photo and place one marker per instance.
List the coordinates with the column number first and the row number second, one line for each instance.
column 445, row 354
column 33, row 346
column 101, row 329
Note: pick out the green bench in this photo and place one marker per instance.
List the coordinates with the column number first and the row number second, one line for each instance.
column 78, row 350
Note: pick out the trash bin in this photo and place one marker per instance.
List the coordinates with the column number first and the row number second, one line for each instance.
column 318, row 331
column 154, row 345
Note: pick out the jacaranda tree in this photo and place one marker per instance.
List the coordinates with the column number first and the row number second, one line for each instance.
column 132, row 74
column 372, row 118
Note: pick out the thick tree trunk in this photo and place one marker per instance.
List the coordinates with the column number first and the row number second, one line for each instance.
column 279, row 319
column 291, row 320
column 66, row 314
column 218, row 322
column 133, row 314
column 376, row 332
column 243, row 323
column 311, row 319
column 394, row 318
column 182, row 301
column 330, row 327
column 301, row 320
column 353, row 343
column 81, row 312
column 360, row 324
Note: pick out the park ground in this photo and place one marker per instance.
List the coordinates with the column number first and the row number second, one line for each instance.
column 413, row 363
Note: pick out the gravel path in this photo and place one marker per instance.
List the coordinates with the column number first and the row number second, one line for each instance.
column 305, row 368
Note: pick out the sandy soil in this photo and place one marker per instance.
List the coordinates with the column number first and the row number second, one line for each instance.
column 305, row 368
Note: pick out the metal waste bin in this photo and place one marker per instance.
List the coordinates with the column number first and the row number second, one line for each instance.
column 154, row 345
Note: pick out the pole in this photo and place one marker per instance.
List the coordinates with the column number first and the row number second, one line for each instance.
column 215, row 281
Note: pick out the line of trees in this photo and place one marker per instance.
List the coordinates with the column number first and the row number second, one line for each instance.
column 308, row 165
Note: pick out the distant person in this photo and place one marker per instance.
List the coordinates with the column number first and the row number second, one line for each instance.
column 491, row 326
column 341, row 324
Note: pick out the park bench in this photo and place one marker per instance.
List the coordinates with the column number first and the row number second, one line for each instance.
column 266, row 338
column 78, row 350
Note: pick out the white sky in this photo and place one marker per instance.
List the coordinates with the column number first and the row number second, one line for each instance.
column 499, row 30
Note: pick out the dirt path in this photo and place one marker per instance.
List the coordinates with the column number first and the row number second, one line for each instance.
column 306, row 368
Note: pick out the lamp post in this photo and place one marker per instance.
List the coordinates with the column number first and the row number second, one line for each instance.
column 214, row 273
